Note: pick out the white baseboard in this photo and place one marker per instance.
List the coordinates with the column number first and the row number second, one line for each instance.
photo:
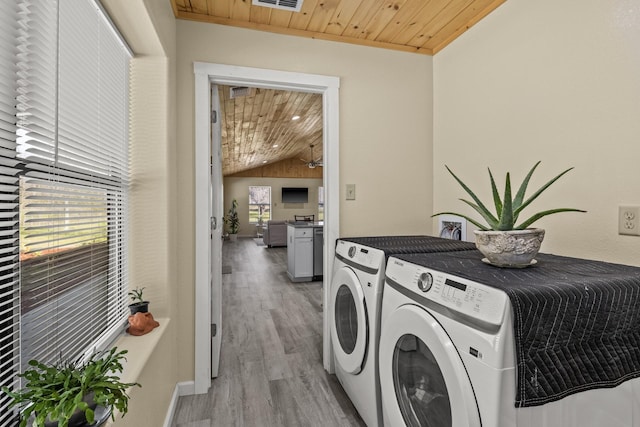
column 181, row 389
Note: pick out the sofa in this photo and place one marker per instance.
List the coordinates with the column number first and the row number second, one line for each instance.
column 275, row 233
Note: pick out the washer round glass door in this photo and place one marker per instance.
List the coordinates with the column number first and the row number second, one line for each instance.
column 423, row 380
column 349, row 329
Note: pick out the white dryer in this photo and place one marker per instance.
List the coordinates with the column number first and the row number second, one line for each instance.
column 356, row 296
column 446, row 357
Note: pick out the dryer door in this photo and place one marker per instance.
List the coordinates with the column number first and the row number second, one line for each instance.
column 423, row 380
column 349, row 328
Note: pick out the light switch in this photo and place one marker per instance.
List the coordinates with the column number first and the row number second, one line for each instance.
column 351, row 191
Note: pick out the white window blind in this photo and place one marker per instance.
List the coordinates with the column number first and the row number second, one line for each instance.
column 9, row 274
column 72, row 141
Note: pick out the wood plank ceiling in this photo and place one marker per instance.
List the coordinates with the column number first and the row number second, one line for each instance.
column 421, row 26
column 253, row 124
column 258, row 128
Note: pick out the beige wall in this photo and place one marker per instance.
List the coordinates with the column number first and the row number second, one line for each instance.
column 551, row 81
column 152, row 252
column 385, row 133
column 238, row 188
column 555, row 81
column 149, row 28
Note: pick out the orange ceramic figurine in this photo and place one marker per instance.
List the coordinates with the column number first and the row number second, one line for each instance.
column 141, row 323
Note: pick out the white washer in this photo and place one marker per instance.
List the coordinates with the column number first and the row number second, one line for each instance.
column 356, row 296
column 447, row 359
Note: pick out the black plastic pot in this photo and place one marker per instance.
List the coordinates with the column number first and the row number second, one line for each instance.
column 139, row 307
column 79, row 420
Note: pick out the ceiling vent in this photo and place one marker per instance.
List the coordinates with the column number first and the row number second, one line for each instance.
column 290, row 5
column 238, row 91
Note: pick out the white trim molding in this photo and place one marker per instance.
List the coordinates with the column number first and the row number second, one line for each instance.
column 205, row 75
column 181, row 389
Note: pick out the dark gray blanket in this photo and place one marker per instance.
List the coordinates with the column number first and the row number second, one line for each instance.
column 576, row 322
column 392, row 245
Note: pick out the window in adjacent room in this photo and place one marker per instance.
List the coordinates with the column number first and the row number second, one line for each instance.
column 259, row 203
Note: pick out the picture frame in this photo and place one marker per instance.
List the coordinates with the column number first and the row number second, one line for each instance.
column 452, row 227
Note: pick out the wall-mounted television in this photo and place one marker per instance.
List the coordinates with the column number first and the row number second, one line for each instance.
column 295, row 195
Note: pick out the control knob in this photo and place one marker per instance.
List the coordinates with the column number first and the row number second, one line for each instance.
column 352, row 251
column 425, row 281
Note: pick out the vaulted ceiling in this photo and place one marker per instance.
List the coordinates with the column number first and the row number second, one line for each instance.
column 421, row 26
column 264, row 126
column 252, row 124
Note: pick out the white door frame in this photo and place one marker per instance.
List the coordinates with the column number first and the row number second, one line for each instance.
column 217, row 224
column 205, row 75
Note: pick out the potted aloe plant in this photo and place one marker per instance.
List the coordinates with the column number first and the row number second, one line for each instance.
column 503, row 240
column 72, row 394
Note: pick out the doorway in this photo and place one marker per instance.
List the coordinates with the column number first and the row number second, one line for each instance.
column 207, row 74
column 271, row 145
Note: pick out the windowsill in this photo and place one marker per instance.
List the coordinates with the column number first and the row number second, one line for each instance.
column 140, row 350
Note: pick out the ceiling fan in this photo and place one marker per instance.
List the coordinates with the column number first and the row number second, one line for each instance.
column 312, row 163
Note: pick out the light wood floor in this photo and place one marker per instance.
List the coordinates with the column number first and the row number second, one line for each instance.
column 271, row 370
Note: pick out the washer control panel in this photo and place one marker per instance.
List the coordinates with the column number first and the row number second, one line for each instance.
column 370, row 259
column 470, row 298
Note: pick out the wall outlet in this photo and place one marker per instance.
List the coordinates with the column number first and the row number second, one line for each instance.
column 629, row 220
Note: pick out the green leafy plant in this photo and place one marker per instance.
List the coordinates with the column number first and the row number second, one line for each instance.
column 58, row 391
column 507, row 208
column 231, row 219
column 136, row 295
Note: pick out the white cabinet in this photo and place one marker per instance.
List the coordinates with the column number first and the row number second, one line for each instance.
column 299, row 253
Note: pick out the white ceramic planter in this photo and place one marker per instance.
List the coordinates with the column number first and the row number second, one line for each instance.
column 510, row 249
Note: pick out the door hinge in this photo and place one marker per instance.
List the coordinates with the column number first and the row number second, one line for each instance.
column 212, row 226
column 214, row 116
column 214, row 330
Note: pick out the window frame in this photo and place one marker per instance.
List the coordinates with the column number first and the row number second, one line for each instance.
column 253, row 219
column 49, row 162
